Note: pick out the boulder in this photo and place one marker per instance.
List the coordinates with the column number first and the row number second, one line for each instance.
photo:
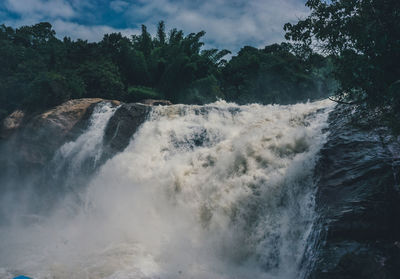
column 34, row 139
column 11, row 123
column 122, row 125
column 64, row 117
column 151, row 102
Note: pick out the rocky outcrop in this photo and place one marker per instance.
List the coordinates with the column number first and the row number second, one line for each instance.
column 358, row 202
column 11, row 123
column 36, row 137
column 62, row 118
column 35, row 140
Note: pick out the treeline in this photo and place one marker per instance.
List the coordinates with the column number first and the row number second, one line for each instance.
column 39, row 71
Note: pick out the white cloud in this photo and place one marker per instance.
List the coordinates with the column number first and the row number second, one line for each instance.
column 118, row 5
column 228, row 23
column 37, row 9
column 61, row 13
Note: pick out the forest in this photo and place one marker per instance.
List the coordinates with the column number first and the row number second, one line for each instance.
column 40, row 71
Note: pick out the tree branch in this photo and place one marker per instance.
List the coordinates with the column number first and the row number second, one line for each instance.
column 344, row 103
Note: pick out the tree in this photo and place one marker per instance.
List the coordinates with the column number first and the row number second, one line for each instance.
column 35, row 35
column 364, row 39
column 102, row 79
column 143, row 42
column 49, row 89
column 275, row 74
column 161, row 36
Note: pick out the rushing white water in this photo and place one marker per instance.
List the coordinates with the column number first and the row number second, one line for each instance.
column 87, row 148
column 216, row 191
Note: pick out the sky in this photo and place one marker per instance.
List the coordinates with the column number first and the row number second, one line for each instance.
column 229, row 24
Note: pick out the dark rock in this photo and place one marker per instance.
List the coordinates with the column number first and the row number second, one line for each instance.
column 122, row 125
column 358, row 203
column 11, row 123
column 362, row 265
column 33, row 141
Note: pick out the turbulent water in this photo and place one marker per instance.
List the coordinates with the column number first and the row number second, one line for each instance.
column 75, row 159
column 215, row 191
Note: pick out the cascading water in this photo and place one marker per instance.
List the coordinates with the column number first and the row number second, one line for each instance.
column 70, row 168
column 89, row 144
column 76, row 158
column 215, row 191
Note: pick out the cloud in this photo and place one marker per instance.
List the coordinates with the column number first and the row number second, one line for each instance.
column 228, row 23
column 118, row 6
column 41, row 8
column 64, row 15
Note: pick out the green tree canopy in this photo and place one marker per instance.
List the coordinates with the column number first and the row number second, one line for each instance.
column 364, row 38
column 275, row 74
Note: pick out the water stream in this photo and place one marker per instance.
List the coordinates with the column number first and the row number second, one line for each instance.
column 215, row 191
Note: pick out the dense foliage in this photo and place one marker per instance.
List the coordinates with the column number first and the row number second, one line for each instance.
column 276, row 74
column 363, row 37
column 39, row 70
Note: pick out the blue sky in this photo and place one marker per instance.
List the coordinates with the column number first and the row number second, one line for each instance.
column 228, row 24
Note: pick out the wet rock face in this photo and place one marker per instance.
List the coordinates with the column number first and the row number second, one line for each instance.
column 358, row 201
column 31, row 141
column 34, row 139
column 122, row 125
column 64, row 117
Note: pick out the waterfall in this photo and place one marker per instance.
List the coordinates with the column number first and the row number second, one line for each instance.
column 69, row 169
column 214, row 191
column 75, row 160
